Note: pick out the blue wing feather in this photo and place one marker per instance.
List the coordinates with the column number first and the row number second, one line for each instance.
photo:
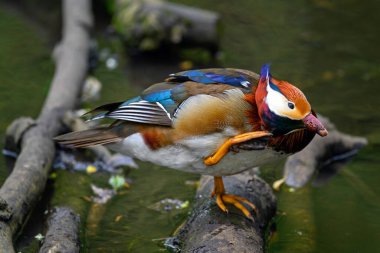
column 213, row 76
column 158, row 96
column 158, row 103
column 132, row 100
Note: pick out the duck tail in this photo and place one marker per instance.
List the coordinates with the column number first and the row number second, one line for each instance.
column 88, row 138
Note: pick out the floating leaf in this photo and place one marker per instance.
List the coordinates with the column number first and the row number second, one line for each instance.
column 39, row 237
column 116, row 182
column 185, row 204
column 53, row 175
column 118, row 218
column 102, row 194
column 278, row 183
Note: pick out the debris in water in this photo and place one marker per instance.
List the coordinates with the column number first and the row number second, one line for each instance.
column 9, row 153
column 118, row 218
column 91, row 169
column 185, row 204
column 173, row 244
column 116, row 182
column 167, row 205
column 278, row 183
column 39, row 237
column 102, row 194
column 53, row 175
column 87, row 198
column 193, row 183
column 79, row 160
column 118, row 160
column 91, row 89
column 112, row 62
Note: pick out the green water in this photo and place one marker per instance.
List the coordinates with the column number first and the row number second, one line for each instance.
column 25, row 70
column 328, row 48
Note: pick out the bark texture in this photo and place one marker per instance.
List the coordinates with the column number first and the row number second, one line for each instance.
column 210, row 230
column 62, row 234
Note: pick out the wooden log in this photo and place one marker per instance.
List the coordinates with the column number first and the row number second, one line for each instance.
column 210, row 230
column 299, row 168
column 62, row 235
column 27, row 181
column 204, row 26
column 147, row 25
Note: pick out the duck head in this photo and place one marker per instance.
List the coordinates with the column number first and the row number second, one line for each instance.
column 283, row 108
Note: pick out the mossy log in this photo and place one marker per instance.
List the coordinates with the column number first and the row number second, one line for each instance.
column 210, row 230
column 25, row 184
column 62, row 235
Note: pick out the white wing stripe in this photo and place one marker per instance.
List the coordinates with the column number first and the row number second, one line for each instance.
column 135, row 108
column 160, row 121
column 142, row 102
column 142, row 112
column 151, row 116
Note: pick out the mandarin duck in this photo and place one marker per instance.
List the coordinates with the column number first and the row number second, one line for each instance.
column 192, row 121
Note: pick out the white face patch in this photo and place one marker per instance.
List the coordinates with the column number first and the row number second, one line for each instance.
column 278, row 103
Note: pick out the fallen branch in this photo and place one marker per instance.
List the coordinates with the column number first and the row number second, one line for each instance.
column 210, row 230
column 321, row 152
column 23, row 187
column 63, row 232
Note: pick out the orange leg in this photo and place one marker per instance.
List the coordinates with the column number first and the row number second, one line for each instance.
column 222, row 198
column 223, row 150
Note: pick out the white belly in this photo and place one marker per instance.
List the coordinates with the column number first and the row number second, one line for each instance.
column 188, row 155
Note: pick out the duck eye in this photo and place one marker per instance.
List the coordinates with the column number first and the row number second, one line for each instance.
column 291, row 105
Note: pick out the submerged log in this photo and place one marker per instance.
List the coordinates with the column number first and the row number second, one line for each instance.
column 25, row 184
column 62, row 235
column 321, row 153
column 210, row 230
